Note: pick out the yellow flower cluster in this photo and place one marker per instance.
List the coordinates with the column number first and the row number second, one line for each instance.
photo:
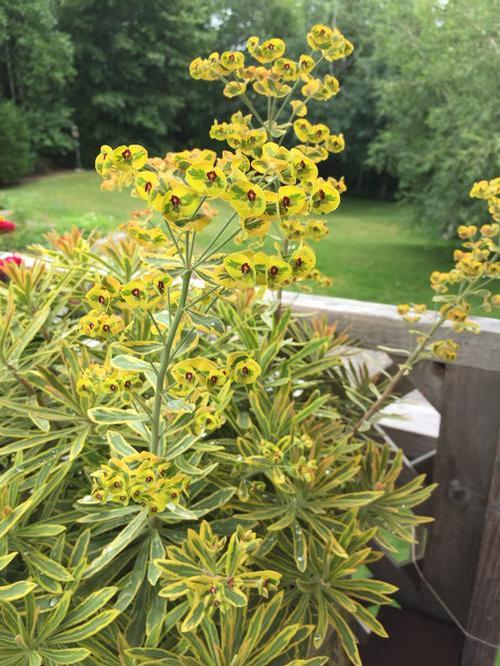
column 412, row 313
column 490, row 191
column 248, row 269
column 205, row 375
column 142, row 478
column 276, row 76
column 207, row 384
column 149, row 291
column 446, row 350
column 180, row 194
column 107, row 381
column 476, row 265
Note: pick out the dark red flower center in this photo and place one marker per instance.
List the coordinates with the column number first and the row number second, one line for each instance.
column 175, row 201
column 136, row 292
column 213, row 379
column 127, row 154
column 112, row 387
column 148, row 479
column 231, row 56
column 173, row 495
column 298, row 262
column 274, row 270
column 161, row 286
column 148, row 186
column 245, row 370
column 271, row 47
column 106, row 328
column 321, row 194
column 245, row 268
column 101, row 299
column 189, row 376
column 128, row 384
column 286, row 65
column 212, row 176
column 251, row 195
column 285, row 201
column 230, row 581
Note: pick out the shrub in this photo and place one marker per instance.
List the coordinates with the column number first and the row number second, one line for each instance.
column 189, row 475
column 15, row 144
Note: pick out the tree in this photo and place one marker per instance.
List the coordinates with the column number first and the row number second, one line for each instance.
column 35, row 67
column 132, row 68
column 437, row 99
column 15, row 144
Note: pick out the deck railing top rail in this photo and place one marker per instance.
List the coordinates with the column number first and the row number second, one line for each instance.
column 377, row 324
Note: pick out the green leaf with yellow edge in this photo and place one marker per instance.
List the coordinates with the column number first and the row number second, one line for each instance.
column 47, row 566
column 134, row 580
column 195, row 615
column 347, row 638
column 368, row 619
column 213, row 501
column 260, row 621
column 121, row 541
column 112, row 415
column 16, row 590
column 78, row 444
column 276, row 646
column 93, row 603
column 87, row 629
column 299, row 546
column 65, row 655
column 207, row 322
column 5, row 560
column 352, row 500
column 118, row 445
column 156, row 551
column 235, row 596
column 175, row 449
column 129, row 362
column 40, row 530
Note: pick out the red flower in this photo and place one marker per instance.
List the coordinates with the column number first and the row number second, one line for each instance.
column 9, row 259
column 6, row 226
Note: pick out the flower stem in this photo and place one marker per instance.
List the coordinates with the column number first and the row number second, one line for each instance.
column 164, row 363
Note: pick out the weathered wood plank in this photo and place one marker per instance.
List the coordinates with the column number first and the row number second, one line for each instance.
column 375, row 324
column 428, row 378
column 467, row 443
column 484, row 614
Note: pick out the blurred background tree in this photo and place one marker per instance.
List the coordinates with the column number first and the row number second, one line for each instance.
column 132, row 82
column 36, row 66
column 437, row 99
column 418, row 103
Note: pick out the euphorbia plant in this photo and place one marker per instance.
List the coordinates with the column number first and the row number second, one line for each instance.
column 188, row 475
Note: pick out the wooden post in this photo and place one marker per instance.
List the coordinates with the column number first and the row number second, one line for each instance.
column 484, row 614
column 467, row 450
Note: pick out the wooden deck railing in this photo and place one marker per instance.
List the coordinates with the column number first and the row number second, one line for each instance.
column 462, row 554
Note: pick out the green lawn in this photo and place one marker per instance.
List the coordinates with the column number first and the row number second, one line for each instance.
column 372, row 253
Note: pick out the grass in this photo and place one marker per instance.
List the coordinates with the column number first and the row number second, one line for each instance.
column 372, row 253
